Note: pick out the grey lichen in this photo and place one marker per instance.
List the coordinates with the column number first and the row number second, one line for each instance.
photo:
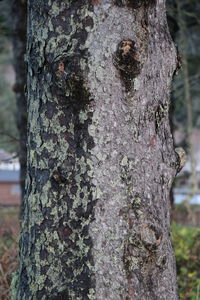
column 161, row 112
column 181, row 158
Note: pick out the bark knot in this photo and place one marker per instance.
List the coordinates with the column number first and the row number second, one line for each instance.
column 126, row 61
column 135, row 4
column 69, row 82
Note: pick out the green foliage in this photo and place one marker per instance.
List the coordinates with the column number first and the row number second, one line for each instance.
column 186, row 242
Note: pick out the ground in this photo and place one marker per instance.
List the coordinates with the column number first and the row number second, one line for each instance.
column 9, row 231
column 186, row 241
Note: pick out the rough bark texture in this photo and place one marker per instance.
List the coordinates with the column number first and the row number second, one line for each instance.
column 101, row 160
column 18, row 15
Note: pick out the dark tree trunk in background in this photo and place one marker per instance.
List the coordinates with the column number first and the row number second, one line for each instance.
column 18, row 16
column 101, row 162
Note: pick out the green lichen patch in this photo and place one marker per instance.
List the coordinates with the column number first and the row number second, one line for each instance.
column 55, row 244
column 161, row 112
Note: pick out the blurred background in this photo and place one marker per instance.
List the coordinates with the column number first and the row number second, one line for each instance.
column 184, row 23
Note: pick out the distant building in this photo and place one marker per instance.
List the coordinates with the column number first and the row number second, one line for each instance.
column 8, row 161
column 10, row 192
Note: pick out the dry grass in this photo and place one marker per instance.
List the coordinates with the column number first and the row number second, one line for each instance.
column 9, row 230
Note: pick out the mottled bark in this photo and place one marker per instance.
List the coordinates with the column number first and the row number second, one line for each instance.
column 101, row 160
column 18, row 16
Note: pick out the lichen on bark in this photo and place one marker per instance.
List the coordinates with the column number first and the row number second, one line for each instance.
column 96, row 219
column 56, row 258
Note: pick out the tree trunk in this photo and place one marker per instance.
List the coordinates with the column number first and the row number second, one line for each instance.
column 100, row 153
column 18, row 14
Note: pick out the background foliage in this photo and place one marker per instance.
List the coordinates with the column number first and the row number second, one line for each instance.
column 191, row 17
column 8, row 129
column 186, row 242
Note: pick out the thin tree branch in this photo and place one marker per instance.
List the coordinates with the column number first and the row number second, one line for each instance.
column 12, row 138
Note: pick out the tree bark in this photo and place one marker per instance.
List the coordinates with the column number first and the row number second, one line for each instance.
column 100, row 153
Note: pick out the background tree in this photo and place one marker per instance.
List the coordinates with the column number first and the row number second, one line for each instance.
column 188, row 103
column 185, row 26
column 8, row 131
column 14, row 14
column 190, row 17
column 18, row 13
column 100, row 152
